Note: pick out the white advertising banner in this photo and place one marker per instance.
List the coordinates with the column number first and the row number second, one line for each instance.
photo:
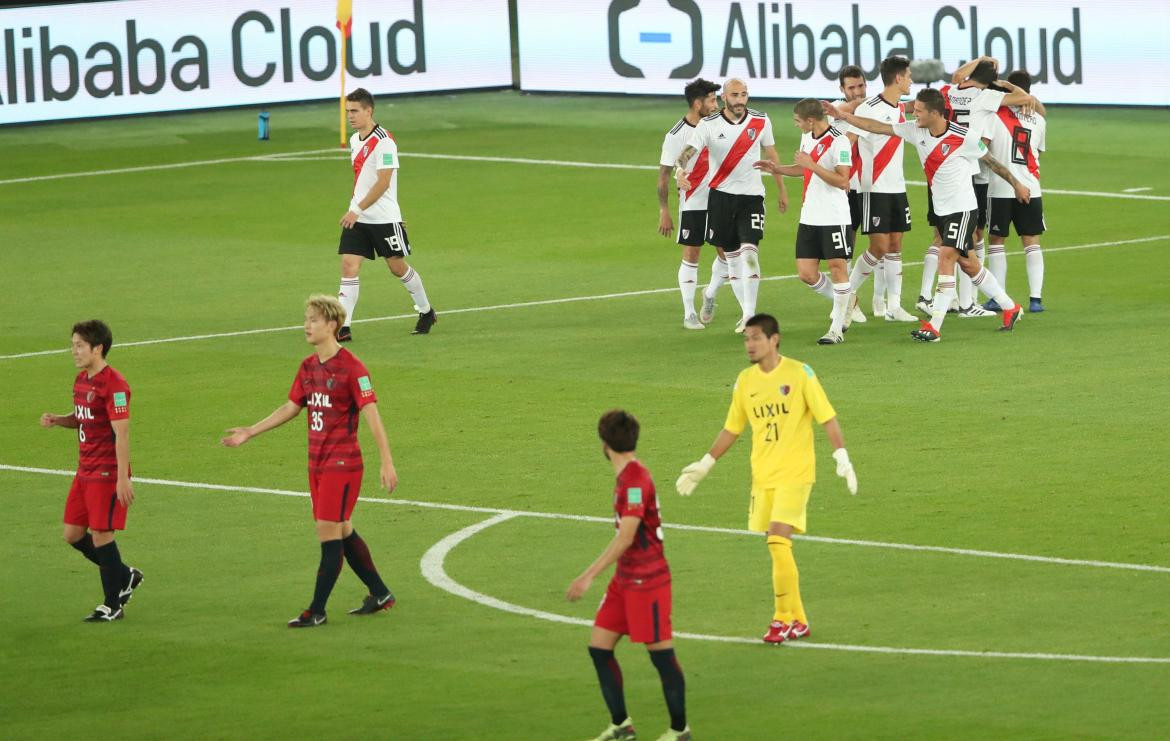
column 143, row 56
column 1090, row 51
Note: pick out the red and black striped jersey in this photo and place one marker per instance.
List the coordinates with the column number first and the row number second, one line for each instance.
column 334, row 392
column 643, row 565
column 96, row 402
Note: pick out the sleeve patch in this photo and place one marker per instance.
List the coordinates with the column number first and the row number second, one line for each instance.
column 364, row 383
column 845, row 157
column 634, row 495
column 388, row 158
column 119, row 398
column 982, row 147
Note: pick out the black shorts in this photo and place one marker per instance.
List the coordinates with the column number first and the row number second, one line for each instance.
column 1028, row 218
column 981, row 200
column 692, row 227
column 375, row 240
column 884, row 213
column 958, row 230
column 824, row 242
column 734, row 219
column 855, row 209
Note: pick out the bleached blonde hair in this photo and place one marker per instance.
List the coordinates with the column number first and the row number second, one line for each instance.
column 328, row 308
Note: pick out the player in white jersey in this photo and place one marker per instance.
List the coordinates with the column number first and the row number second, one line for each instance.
column 373, row 224
column 824, row 160
column 692, row 204
column 1016, row 138
column 851, row 82
column 735, row 139
column 948, row 153
column 885, row 208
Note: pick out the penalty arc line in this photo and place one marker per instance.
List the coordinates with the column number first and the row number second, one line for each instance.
column 434, row 571
column 974, row 553
column 528, row 304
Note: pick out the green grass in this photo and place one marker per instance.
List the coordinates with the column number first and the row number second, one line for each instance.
column 1049, row 441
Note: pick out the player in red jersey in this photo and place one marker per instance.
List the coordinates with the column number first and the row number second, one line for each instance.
column 336, row 388
column 637, row 602
column 101, row 490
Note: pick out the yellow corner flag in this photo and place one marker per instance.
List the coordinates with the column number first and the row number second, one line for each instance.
column 345, row 25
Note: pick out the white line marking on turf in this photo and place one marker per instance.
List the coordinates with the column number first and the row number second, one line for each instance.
column 433, row 570
column 1135, row 190
column 588, row 518
column 524, row 304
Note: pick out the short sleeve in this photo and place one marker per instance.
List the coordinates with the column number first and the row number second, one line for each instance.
column 630, row 501
column 361, row 388
column 736, row 417
column 669, row 152
column 387, row 154
column 1039, row 134
column 118, row 400
column 766, row 138
column 844, row 154
column 698, row 138
column 296, row 394
column 815, row 399
column 988, row 100
column 907, row 130
column 973, row 147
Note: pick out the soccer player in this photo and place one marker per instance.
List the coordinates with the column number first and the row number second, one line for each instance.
column 780, row 398
column 637, row 602
column 824, row 161
column 851, row 82
column 885, row 207
column 373, row 224
column 336, row 388
column 735, row 137
column 948, row 153
column 102, row 490
column 1016, row 138
column 692, row 204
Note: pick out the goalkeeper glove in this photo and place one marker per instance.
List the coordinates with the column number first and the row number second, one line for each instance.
column 845, row 469
column 693, row 474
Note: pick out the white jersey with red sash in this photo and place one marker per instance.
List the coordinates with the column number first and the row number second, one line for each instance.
column 842, row 126
column 948, row 161
column 881, row 155
column 972, row 107
column 1017, row 139
column 698, row 168
column 378, row 151
column 734, row 147
column 822, row 204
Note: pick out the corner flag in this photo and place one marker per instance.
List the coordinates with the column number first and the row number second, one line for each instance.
column 345, row 25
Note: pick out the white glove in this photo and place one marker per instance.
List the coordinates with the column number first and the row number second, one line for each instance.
column 845, row 469
column 693, row 474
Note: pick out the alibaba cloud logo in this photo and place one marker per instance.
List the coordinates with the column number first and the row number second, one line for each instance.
column 625, row 69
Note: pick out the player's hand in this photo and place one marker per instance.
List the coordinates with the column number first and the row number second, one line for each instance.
column 803, row 159
column 349, row 220
column 767, row 166
column 830, row 109
column 48, row 419
column 389, row 477
column 578, row 588
column 680, row 179
column 665, row 224
column 125, row 491
column 1029, row 106
column 693, row 474
column 845, row 469
column 236, row 437
column 782, row 203
column 1023, row 193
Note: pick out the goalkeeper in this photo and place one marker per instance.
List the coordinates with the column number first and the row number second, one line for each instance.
column 780, row 397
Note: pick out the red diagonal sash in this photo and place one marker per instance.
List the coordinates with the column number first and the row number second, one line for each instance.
column 360, row 161
column 702, row 164
column 747, row 137
column 855, row 154
column 946, row 93
column 822, row 146
column 1012, row 122
column 887, row 152
column 948, row 146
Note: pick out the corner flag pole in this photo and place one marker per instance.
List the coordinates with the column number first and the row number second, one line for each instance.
column 345, row 25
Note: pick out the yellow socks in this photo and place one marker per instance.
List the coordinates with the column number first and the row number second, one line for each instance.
column 785, row 581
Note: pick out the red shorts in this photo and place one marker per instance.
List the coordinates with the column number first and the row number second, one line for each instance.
column 95, row 505
column 334, row 494
column 642, row 614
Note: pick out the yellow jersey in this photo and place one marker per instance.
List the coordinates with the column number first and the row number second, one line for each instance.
column 781, row 407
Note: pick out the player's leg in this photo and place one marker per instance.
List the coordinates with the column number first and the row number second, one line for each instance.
column 1030, row 225
column 106, row 516
column 674, row 685
column 893, row 273
column 718, row 278
column 395, row 248
column 930, row 260
column 357, row 555
column 749, row 225
column 943, row 296
column 842, row 297
column 879, row 288
column 609, row 626
column 969, row 306
column 999, row 218
column 982, row 279
column 76, row 522
column 688, row 278
column 354, row 246
column 329, row 494
column 808, row 260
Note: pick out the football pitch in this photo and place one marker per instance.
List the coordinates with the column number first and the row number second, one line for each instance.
column 1004, row 571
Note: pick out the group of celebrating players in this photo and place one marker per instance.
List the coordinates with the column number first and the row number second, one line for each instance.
column 979, row 140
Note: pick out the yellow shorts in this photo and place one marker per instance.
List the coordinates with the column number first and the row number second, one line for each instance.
column 786, row 503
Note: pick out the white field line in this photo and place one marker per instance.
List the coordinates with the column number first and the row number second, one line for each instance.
column 525, row 304
column 586, row 518
column 1135, row 190
column 434, row 571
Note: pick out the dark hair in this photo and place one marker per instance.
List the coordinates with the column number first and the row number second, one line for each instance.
column 619, row 430
column 984, row 73
column 892, row 67
column 362, row 97
column 809, row 108
column 1021, row 79
column 849, row 70
column 95, row 332
column 699, row 89
column 766, row 322
column 932, row 99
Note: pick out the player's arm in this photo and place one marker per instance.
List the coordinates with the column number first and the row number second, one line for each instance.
column 865, row 124
column 388, row 475
column 48, row 419
column 844, row 465
column 964, row 71
column 1023, row 194
column 771, row 156
column 838, row 177
column 237, row 436
column 622, row 540
column 356, row 207
column 680, row 167
column 665, row 224
column 124, row 489
column 1017, row 96
column 697, row 471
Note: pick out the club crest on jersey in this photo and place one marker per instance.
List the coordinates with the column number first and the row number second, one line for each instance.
column 946, row 148
column 89, row 396
column 751, row 134
column 785, row 389
column 820, row 149
column 329, row 383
